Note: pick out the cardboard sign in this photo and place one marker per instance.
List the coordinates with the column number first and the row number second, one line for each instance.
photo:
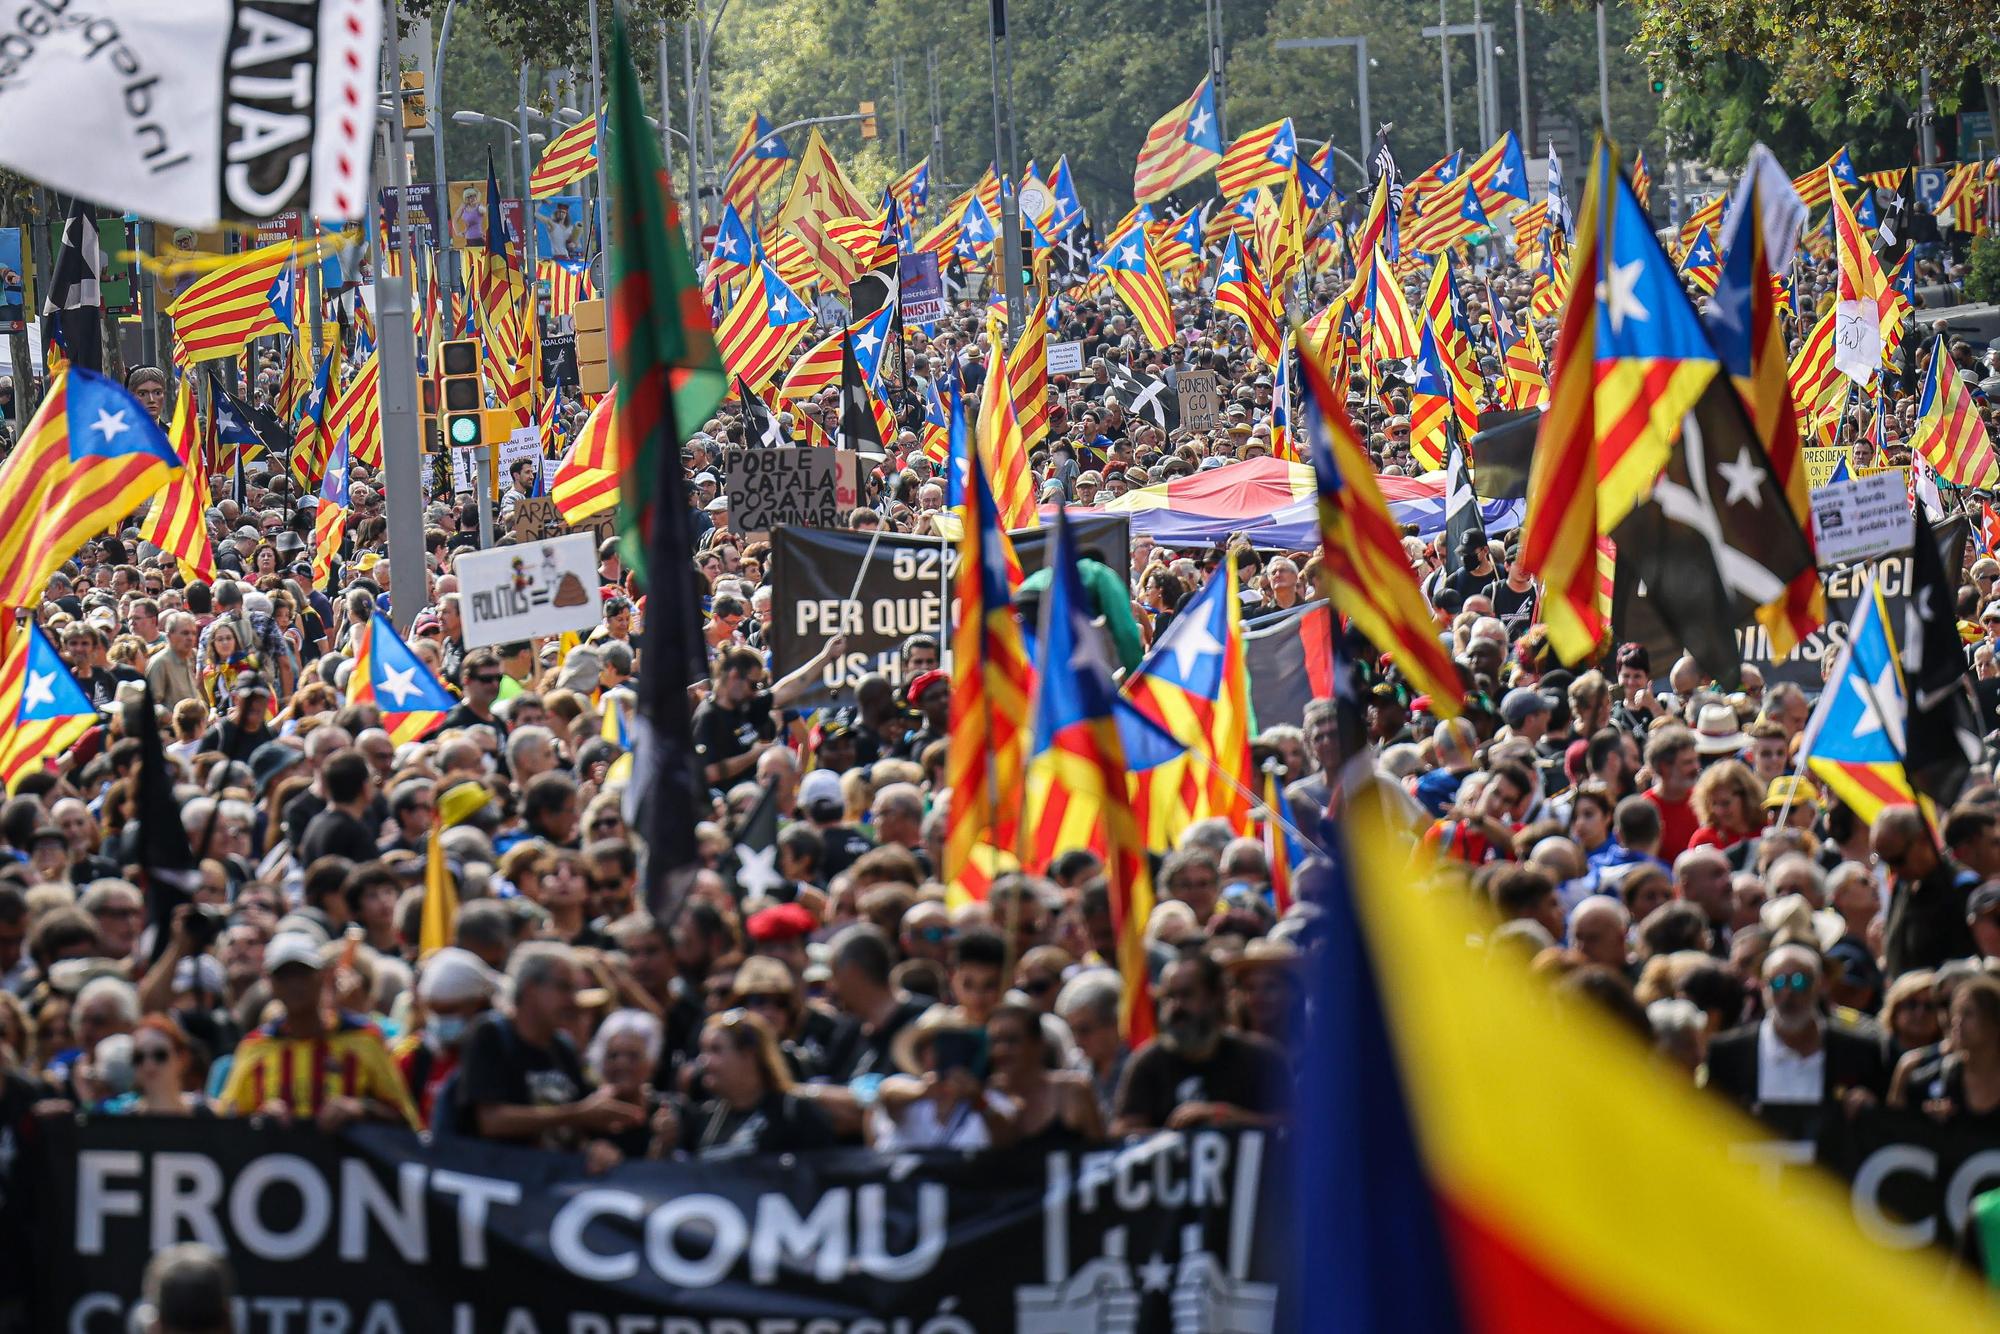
column 796, row 486
column 1201, row 400
column 1863, row 517
column 1066, row 358
column 523, row 442
column 529, row 591
column 533, row 519
column 922, row 287
column 1822, row 460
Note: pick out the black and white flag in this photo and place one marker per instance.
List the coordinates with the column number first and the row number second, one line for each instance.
column 1941, row 731
column 753, row 862
column 1462, row 520
column 1716, row 541
column 760, row 424
column 73, row 314
column 858, row 428
column 196, row 113
column 1384, row 163
column 1146, row 398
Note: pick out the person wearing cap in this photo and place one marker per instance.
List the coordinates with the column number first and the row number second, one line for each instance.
column 1525, row 713
column 942, row 1098
column 1087, row 483
column 456, row 989
column 312, row 1062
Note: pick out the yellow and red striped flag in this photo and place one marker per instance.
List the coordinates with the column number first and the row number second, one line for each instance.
column 175, row 524
column 1000, row 446
column 1240, row 290
column 1128, row 263
column 1949, row 432
column 757, row 161
column 1180, row 146
column 586, row 483
column 762, row 328
column 568, row 283
column 1262, row 157
column 1028, row 377
column 357, row 410
column 42, row 707
column 570, row 156
column 221, row 311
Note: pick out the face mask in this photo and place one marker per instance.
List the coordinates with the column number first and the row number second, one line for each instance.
column 445, row 1030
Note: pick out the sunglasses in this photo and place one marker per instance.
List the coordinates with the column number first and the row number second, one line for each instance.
column 935, row 935
column 764, row 1000
column 1797, row 980
column 485, row 679
column 609, row 824
column 151, row 1056
column 606, row 886
column 1039, row 986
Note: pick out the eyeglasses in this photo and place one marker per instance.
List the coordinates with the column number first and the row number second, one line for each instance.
column 764, row 1000
column 1039, row 986
column 935, row 935
column 606, row 885
column 1797, row 980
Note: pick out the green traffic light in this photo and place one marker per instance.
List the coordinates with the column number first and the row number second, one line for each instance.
column 465, row 430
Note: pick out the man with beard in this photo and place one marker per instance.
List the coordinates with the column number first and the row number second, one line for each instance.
column 1197, row 1072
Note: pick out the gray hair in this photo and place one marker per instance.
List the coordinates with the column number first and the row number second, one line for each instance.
column 483, row 922
column 536, row 962
column 124, row 997
column 619, row 1023
column 1677, row 1026
column 1097, row 990
column 1212, row 835
column 524, row 739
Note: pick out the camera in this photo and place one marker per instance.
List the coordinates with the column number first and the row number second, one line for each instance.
column 204, row 924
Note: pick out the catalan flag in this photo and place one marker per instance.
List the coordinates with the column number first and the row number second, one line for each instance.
column 1067, row 211
column 356, row 413
column 586, row 483
column 1453, row 214
column 762, row 328
column 1182, row 145
column 1193, row 684
column 1432, row 419
column 757, row 162
column 330, row 516
column 1701, row 266
column 313, row 444
column 1631, row 361
column 1028, row 377
column 88, row 457
column 570, row 156
column 992, row 680
column 224, row 309
column 1854, row 741
column 1520, row 357
column 1366, row 572
column 175, row 523
column 1262, row 157
column 912, row 190
column 44, row 708
column 396, row 682
column 1506, row 1227
column 1003, row 452
column 822, row 193
column 1179, row 247
column 1742, row 322
column 1077, row 759
column 1949, row 431
column 1128, row 262
column 568, row 282
column 1241, row 290
column 1857, row 343
column 1392, row 330
column 1642, row 182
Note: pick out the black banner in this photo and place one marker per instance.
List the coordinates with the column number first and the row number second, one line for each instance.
column 880, row 591
column 375, row 1231
column 1911, row 1180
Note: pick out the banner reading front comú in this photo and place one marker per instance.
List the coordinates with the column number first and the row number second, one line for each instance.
column 377, row 1231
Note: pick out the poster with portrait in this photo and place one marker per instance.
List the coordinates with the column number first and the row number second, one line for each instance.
column 13, row 287
column 466, row 213
column 562, row 228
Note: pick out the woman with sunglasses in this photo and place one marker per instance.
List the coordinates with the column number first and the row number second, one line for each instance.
column 1057, row 1108
column 765, row 987
column 161, row 1061
column 753, row 1106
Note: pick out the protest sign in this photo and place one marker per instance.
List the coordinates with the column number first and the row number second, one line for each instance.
column 1822, row 460
column 190, row 114
column 465, row 209
column 559, row 360
column 523, row 442
column 923, row 287
column 1066, row 358
column 13, row 293
column 375, row 1230
column 1201, row 400
column 464, row 472
column 422, row 203
column 1859, row 518
column 880, row 591
column 787, row 485
column 528, row 591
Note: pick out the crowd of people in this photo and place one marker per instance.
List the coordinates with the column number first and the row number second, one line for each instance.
column 1643, row 837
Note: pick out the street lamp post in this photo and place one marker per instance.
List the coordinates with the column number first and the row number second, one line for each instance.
column 1360, row 45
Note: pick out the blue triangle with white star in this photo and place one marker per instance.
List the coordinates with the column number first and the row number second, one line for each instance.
column 106, row 422
column 48, row 691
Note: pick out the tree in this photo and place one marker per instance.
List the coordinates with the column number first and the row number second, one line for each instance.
column 552, row 32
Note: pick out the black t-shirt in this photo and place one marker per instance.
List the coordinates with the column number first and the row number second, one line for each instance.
column 844, row 845
column 335, row 832
column 227, row 737
column 854, row 1051
column 499, row 1068
column 722, row 734
column 299, row 813
column 1515, row 610
column 1244, row 1071
column 778, row 1123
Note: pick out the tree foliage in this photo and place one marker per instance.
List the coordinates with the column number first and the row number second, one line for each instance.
column 550, row 32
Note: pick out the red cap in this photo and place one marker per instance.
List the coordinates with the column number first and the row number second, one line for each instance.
column 782, row 921
column 917, row 687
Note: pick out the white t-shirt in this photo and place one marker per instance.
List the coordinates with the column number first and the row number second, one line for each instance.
column 918, row 1126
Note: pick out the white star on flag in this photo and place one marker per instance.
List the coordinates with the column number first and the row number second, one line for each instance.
column 1198, row 123
column 1746, row 479
column 1621, row 293
column 401, row 684
column 40, row 690
column 1191, row 644
column 1872, row 697
column 866, row 341
column 110, row 425
column 757, row 869
column 1502, row 176
column 1128, row 254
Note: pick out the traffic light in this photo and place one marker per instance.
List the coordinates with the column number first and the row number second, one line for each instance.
column 1659, row 87
column 867, row 120
column 416, row 110
column 593, row 357
column 427, row 413
column 464, row 395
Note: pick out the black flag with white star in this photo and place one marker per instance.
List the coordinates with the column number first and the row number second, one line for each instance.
column 858, row 428
column 1941, row 731
column 760, row 424
column 1715, row 542
column 753, row 863
column 73, row 315
column 1462, row 519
